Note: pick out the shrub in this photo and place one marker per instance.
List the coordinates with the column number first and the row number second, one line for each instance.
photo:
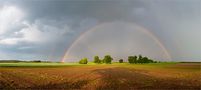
column 83, row 61
column 121, row 61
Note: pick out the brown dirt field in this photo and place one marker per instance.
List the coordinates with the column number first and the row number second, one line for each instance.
column 100, row 77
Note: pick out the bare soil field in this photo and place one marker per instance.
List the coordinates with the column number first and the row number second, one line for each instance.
column 103, row 77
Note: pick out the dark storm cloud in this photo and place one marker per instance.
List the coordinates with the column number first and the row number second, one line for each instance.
column 100, row 9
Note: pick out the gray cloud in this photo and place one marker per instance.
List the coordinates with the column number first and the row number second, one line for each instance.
column 46, row 28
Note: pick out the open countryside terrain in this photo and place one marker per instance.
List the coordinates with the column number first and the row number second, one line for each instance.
column 100, row 76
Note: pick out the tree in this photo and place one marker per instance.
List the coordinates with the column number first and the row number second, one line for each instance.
column 140, row 59
column 96, row 59
column 37, row 61
column 102, row 61
column 107, row 59
column 83, row 61
column 131, row 59
column 145, row 60
column 135, row 59
column 121, row 61
column 150, row 61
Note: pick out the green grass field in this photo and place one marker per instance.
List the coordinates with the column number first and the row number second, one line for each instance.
column 100, row 76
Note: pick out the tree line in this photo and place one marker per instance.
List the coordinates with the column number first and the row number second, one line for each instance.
column 108, row 60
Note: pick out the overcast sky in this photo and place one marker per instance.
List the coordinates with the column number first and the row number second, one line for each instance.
column 45, row 29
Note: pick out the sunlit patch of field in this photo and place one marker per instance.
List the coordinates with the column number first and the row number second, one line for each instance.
column 101, row 76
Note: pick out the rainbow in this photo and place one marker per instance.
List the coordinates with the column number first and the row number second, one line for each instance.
column 141, row 29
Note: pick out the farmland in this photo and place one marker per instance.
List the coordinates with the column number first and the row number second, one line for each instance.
column 100, row 76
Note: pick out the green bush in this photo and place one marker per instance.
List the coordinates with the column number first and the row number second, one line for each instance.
column 121, row 61
column 83, row 61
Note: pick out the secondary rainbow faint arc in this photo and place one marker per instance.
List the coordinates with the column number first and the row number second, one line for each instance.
column 142, row 29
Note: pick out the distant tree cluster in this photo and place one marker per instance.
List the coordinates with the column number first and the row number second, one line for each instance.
column 36, row 61
column 132, row 59
column 83, row 61
column 140, row 59
column 108, row 60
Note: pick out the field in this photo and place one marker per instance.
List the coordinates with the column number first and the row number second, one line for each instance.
column 100, row 76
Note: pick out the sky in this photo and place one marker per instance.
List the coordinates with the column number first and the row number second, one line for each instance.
column 50, row 29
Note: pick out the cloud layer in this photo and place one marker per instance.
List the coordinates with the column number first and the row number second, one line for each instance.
column 20, row 34
column 33, row 29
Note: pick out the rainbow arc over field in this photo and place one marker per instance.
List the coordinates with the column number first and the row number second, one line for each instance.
column 132, row 25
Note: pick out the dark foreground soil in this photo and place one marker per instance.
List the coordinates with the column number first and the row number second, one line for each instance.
column 100, row 77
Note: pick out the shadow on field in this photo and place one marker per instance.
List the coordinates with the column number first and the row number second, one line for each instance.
column 124, row 78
